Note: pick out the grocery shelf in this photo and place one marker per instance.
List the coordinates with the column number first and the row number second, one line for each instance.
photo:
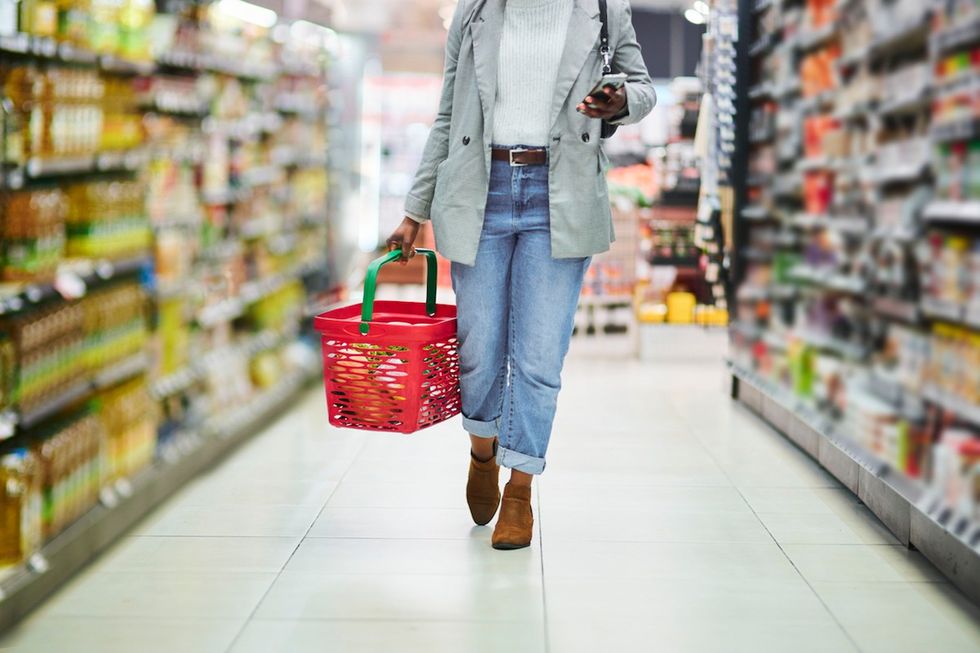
column 829, row 280
column 960, row 407
column 251, row 292
column 676, row 261
column 818, row 102
column 903, row 172
column 763, row 45
column 940, row 310
column 907, row 36
column 903, row 311
column 41, row 168
column 13, row 422
column 957, row 37
column 961, row 130
column 761, row 92
column 890, row 47
column 912, row 512
column 835, row 346
column 807, row 41
column 961, row 213
column 911, row 104
column 853, row 225
column 128, row 500
column 756, row 213
column 851, row 59
column 47, row 48
column 15, row 298
column 52, row 406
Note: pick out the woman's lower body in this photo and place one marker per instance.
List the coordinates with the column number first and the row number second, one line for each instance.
column 516, row 311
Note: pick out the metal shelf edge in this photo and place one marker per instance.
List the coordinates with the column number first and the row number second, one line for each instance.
column 74, row 548
column 946, row 549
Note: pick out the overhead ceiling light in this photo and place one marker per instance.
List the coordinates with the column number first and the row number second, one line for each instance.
column 702, row 7
column 692, row 15
column 248, row 12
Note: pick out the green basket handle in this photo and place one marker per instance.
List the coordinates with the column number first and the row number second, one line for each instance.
column 371, row 284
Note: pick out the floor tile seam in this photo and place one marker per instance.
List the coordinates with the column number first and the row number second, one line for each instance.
column 488, row 573
column 210, row 537
column 292, row 554
column 544, row 588
column 375, row 620
column 214, row 537
column 942, row 582
column 110, row 617
column 406, row 620
column 392, row 537
column 660, row 541
column 779, row 545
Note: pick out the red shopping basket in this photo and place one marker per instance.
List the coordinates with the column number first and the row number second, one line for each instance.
column 391, row 366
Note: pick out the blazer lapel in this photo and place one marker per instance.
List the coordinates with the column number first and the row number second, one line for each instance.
column 583, row 34
column 485, row 31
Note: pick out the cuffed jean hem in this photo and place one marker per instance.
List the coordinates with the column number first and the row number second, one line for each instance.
column 520, row 461
column 480, row 428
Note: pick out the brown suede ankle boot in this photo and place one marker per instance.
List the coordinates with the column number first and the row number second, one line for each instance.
column 483, row 488
column 516, row 524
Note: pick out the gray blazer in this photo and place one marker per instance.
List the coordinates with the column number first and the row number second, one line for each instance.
column 452, row 181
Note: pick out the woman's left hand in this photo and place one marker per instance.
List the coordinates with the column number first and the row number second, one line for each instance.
column 596, row 107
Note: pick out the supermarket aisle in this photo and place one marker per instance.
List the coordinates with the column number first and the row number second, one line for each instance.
column 668, row 520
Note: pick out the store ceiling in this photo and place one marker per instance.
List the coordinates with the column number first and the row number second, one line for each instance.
column 378, row 16
column 411, row 33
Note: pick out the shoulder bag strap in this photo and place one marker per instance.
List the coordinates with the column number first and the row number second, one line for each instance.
column 604, row 39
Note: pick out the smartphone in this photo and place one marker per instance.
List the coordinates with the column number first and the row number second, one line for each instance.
column 617, row 81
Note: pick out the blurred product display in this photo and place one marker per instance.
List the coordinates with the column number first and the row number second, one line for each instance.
column 656, row 253
column 854, row 253
column 185, row 185
column 164, row 194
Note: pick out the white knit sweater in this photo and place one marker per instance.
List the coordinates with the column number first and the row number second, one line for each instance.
column 531, row 47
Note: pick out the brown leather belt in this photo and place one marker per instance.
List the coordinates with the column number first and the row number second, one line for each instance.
column 521, row 156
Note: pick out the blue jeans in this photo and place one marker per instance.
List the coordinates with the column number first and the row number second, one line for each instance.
column 516, row 310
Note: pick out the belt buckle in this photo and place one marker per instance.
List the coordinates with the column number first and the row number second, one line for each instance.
column 514, row 164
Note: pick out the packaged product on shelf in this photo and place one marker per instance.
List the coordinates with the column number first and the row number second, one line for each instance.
column 278, row 309
column 73, row 466
column 39, row 17
column 953, row 358
column 107, row 219
column 21, row 507
column 114, row 324
column 172, row 336
column 60, row 109
column 129, row 416
column 266, row 369
column 32, row 234
column 956, row 470
column 121, row 123
column 48, row 345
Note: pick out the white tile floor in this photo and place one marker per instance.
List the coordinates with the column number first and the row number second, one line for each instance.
column 669, row 520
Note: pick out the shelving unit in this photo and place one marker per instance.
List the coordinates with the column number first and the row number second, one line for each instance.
column 851, row 200
column 233, row 197
column 127, row 501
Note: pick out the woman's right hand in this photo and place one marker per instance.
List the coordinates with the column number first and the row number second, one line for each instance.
column 403, row 238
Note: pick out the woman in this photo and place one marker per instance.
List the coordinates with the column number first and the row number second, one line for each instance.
column 512, row 177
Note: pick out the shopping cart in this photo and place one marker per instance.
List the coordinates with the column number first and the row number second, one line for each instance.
column 391, row 365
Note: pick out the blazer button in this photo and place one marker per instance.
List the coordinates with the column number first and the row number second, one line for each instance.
column 466, row 140
column 586, row 137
